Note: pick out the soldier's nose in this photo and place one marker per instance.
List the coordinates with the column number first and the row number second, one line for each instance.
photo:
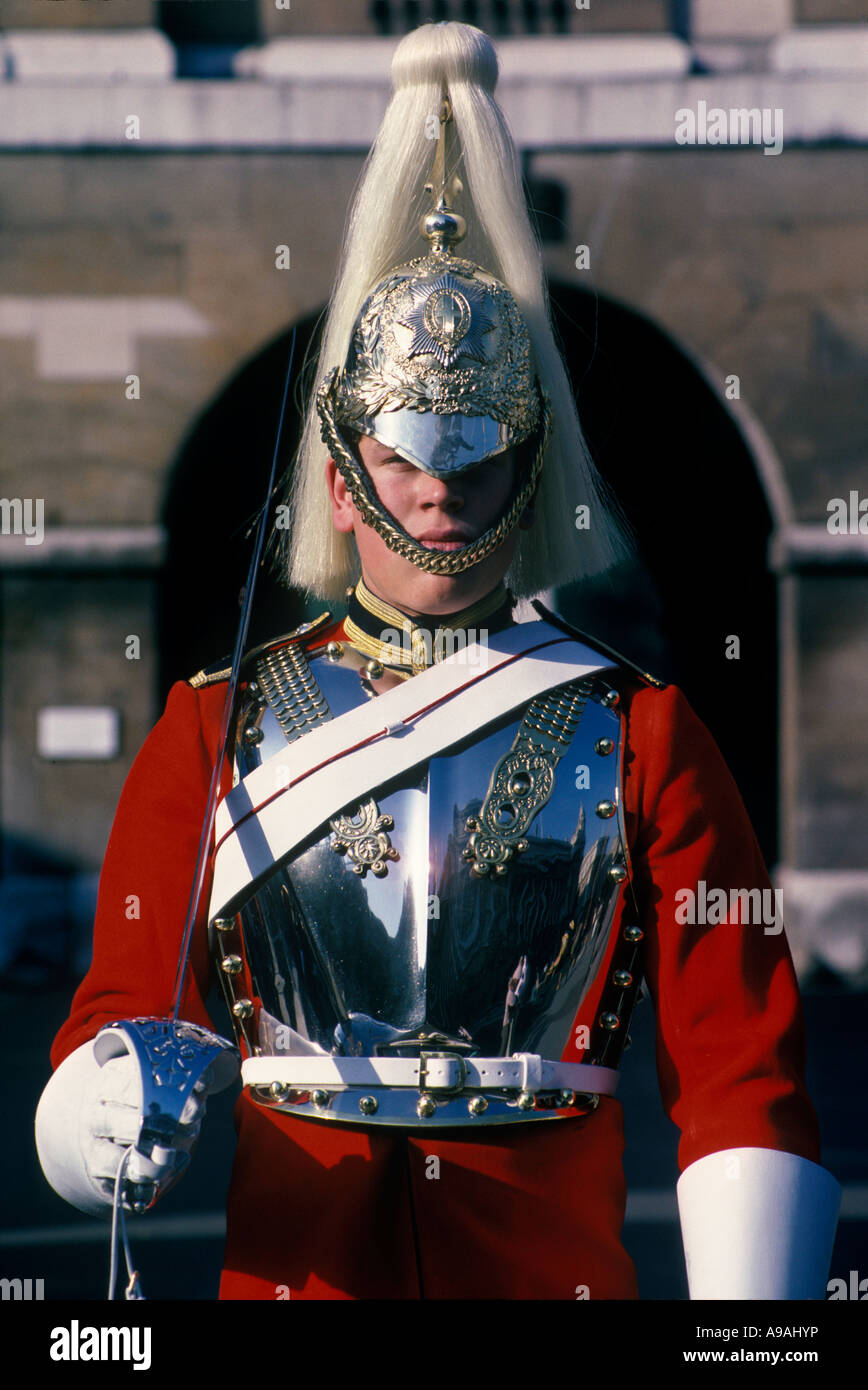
column 440, row 492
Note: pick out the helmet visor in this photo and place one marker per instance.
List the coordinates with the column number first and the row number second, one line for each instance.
column 441, row 445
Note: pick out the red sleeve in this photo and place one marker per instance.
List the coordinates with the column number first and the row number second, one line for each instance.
column 730, row 1038
column 147, row 877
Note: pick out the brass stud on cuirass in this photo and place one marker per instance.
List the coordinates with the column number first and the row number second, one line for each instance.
column 425, row 1107
column 478, row 1105
column 610, row 1022
column 369, row 1105
column 633, row 933
column 605, row 809
column 622, row 978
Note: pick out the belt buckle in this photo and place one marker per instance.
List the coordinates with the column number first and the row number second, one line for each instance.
column 425, row 1085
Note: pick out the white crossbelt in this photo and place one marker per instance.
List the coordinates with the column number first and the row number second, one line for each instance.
column 522, row 1072
column 283, row 801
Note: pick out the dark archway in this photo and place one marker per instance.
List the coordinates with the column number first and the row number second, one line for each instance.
column 207, row 35
column 663, row 440
column 674, row 456
column 214, row 494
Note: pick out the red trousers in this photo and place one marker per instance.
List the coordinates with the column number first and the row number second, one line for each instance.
column 321, row 1210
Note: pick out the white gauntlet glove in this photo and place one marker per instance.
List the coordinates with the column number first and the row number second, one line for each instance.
column 89, row 1115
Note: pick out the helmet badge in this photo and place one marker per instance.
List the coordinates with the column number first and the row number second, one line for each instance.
column 448, row 321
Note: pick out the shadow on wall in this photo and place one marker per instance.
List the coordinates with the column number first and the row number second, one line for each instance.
column 662, row 439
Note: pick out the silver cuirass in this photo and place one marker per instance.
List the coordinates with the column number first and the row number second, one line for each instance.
column 460, row 910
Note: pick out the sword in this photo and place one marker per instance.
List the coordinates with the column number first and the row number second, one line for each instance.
column 234, row 676
column 174, row 1056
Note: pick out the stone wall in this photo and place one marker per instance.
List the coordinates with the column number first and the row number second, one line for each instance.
column 172, row 257
column 829, row 11
column 755, row 263
column 214, row 17
column 77, row 14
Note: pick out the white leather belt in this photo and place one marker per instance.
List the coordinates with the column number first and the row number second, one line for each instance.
column 453, row 1075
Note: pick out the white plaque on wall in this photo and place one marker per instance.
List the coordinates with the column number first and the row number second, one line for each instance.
column 78, row 731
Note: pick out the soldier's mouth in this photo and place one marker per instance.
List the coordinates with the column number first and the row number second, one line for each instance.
column 445, row 540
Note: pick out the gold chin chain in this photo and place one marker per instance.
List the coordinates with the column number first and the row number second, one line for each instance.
column 374, row 514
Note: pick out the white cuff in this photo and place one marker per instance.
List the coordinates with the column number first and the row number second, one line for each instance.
column 757, row 1224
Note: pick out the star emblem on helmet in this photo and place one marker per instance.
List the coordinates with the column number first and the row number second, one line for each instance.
column 448, row 320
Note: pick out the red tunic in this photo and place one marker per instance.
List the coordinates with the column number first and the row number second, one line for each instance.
column 319, row 1209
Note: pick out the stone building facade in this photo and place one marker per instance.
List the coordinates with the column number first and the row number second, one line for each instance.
column 154, row 158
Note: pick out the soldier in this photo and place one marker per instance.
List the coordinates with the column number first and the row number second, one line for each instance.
column 450, row 844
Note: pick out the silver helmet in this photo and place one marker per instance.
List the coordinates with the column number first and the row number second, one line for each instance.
column 439, row 369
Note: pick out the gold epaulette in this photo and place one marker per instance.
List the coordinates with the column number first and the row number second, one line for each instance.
column 210, row 675
column 301, row 633
column 222, row 670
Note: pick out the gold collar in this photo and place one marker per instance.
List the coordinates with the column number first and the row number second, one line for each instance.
column 384, row 633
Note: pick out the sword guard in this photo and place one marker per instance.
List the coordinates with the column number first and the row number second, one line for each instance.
column 175, row 1058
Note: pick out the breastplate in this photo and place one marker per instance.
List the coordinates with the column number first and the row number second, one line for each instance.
column 458, row 909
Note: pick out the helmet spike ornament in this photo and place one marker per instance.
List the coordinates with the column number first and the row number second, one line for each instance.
column 442, row 227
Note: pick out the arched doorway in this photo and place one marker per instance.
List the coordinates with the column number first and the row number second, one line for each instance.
column 676, row 458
